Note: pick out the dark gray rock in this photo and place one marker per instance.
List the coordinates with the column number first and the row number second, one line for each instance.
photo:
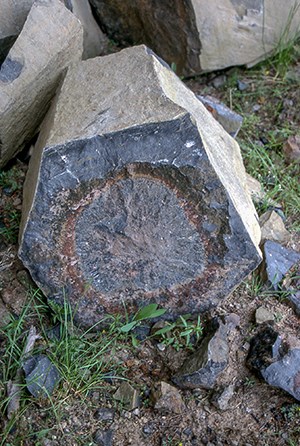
column 277, row 362
column 126, row 200
column 104, row 437
column 206, row 364
column 228, row 119
column 278, row 261
column 41, row 376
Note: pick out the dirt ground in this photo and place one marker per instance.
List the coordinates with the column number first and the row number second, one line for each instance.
column 257, row 414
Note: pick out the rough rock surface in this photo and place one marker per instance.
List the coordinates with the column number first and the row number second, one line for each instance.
column 199, row 34
column 272, row 228
column 135, row 194
column 50, row 40
column 41, row 376
column 204, row 366
column 277, row 362
column 12, row 18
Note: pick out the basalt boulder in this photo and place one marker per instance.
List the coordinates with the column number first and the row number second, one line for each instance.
column 135, row 194
column 201, row 35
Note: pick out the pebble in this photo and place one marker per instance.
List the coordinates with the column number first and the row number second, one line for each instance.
column 104, row 414
column 242, row 86
column 103, row 437
column 219, row 81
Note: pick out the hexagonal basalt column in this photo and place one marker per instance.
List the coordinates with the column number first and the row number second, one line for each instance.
column 135, row 194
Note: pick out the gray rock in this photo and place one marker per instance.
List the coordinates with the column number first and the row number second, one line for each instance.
column 272, row 227
column 168, row 399
column 242, row 86
column 221, row 399
column 135, row 191
column 262, row 315
column 95, row 43
column 12, row 18
column 276, row 362
column 105, row 414
column 206, row 364
column 128, row 396
column 104, row 437
column 41, row 376
column 228, row 119
column 50, row 40
column 278, row 261
column 210, row 35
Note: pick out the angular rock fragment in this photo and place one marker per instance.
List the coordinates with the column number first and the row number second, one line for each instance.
column 128, row 396
column 199, row 34
column 206, row 364
column 168, row 399
column 41, row 376
column 50, row 40
column 135, row 194
column 278, row 260
column 228, row 119
column 272, row 227
column 278, row 364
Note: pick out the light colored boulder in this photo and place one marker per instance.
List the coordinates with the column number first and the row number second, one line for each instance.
column 202, row 35
column 50, row 40
column 135, row 193
column 13, row 14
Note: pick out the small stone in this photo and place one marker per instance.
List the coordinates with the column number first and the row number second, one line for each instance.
column 128, row 396
column 228, row 119
column 263, row 315
column 278, row 261
column 205, row 365
column 242, row 86
column 256, row 107
column 149, row 428
column 105, row 414
column 272, row 228
column 41, row 376
column 219, row 81
column 222, row 398
column 169, row 399
column 103, row 437
column 291, row 149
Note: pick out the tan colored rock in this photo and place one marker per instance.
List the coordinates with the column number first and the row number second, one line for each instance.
column 202, row 35
column 12, row 18
column 291, row 149
column 135, row 193
column 50, row 40
column 272, row 228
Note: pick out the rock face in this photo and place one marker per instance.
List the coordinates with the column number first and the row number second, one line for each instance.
column 135, row 194
column 201, row 35
column 50, row 40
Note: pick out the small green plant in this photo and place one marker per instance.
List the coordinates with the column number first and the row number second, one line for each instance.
column 290, row 411
column 149, row 312
column 183, row 333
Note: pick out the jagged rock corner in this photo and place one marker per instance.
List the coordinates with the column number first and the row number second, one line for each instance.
column 135, row 194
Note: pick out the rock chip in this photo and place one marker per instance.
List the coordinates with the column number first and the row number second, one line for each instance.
column 168, row 399
column 135, row 194
column 277, row 363
column 262, row 315
column 228, row 119
column 222, row 397
column 291, row 149
column 272, row 228
column 104, row 437
column 128, row 396
column 206, row 364
column 50, row 40
column 210, row 35
column 278, row 261
column 41, row 376
column 105, row 414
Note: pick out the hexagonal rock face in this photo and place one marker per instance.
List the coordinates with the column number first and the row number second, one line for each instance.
column 202, row 35
column 135, row 194
column 51, row 39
